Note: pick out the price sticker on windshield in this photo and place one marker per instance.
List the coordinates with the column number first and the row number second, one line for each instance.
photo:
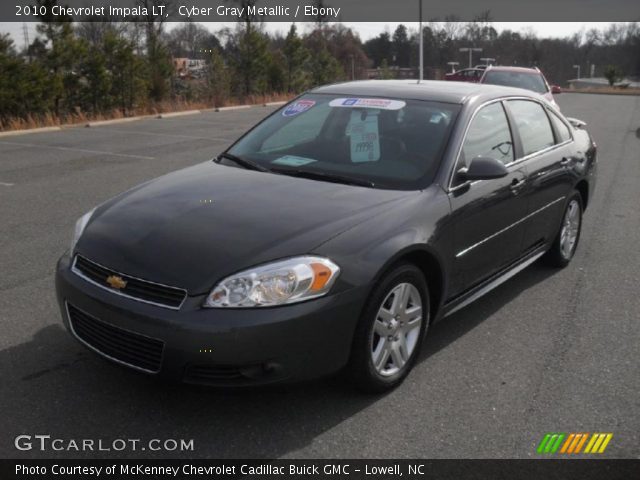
column 364, row 136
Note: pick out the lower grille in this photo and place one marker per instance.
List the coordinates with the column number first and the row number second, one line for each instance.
column 230, row 375
column 132, row 349
column 212, row 373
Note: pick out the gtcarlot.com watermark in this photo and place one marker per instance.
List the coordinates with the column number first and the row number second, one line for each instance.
column 44, row 443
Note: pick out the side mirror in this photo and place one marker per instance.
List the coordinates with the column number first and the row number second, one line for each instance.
column 483, row 168
column 555, row 89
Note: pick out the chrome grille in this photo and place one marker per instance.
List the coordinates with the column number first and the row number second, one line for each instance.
column 136, row 288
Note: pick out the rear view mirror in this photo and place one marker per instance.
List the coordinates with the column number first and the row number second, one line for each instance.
column 555, row 89
column 483, row 168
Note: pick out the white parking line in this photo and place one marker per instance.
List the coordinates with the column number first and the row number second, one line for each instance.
column 5, row 184
column 80, row 150
column 155, row 134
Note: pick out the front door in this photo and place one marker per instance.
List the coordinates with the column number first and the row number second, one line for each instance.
column 487, row 214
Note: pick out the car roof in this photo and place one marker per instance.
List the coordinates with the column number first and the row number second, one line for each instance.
column 502, row 68
column 433, row 90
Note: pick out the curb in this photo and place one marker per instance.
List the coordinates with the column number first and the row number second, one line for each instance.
column 31, row 130
column 114, row 121
column 235, row 107
column 99, row 123
column 178, row 114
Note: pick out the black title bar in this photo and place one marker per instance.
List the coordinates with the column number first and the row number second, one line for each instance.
column 548, row 469
column 329, row 10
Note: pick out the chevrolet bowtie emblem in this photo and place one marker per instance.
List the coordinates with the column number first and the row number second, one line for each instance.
column 116, row 282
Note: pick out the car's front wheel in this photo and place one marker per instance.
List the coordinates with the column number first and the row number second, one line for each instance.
column 388, row 336
column 566, row 242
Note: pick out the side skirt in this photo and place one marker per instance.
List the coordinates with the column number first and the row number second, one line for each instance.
column 462, row 301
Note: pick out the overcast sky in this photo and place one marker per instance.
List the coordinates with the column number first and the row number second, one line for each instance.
column 371, row 29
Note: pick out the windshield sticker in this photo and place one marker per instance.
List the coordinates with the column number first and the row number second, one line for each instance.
column 380, row 103
column 364, row 136
column 297, row 107
column 293, row 161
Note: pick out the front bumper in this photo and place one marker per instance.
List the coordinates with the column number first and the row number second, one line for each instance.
column 225, row 347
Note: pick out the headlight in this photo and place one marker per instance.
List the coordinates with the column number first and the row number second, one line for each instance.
column 80, row 225
column 277, row 283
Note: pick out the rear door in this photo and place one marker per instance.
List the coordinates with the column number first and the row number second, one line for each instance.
column 546, row 151
column 487, row 214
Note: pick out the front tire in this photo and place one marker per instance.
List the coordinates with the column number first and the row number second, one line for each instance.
column 389, row 334
column 566, row 242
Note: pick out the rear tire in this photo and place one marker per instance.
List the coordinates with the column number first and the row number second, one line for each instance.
column 390, row 331
column 566, row 242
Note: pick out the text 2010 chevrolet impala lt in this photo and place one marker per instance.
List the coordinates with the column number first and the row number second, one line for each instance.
column 332, row 234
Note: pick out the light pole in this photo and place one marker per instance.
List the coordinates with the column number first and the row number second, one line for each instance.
column 421, row 41
column 578, row 68
column 470, row 50
column 487, row 60
column 453, row 66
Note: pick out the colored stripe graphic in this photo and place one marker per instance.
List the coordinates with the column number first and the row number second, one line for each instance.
column 550, row 442
column 581, row 443
column 572, row 443
column 543, row 443
column 606, row 442
column 555, row 446
column 576, row 440
column 598, row 442
column 568, row 442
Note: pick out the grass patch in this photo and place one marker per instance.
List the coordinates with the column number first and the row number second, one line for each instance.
column 78, row 117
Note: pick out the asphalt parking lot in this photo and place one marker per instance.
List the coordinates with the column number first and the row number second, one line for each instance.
column 549, row 351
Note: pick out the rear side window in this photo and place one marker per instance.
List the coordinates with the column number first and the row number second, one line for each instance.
column 489, row 135
column 533, row 125
column 564, row 134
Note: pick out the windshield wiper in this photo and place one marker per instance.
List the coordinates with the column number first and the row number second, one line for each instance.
column 243, row 162
column 327, row 177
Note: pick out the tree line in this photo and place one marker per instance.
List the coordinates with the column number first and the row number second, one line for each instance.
column 91, row 68
column 106, row 68
column 617, row 47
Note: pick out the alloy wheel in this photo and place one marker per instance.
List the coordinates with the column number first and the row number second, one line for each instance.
column 570, row 229
column 396, row 329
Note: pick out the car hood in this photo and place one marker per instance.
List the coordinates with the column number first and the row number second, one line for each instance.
column 193, row 227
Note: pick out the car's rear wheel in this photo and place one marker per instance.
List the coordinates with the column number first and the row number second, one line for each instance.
column 389, row 334
column 566, row 242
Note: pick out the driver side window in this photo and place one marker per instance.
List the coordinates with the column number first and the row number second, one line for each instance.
column 489, row 136
column 294, row 133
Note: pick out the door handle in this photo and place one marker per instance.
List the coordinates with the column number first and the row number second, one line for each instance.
column 565, row 161
column 516, row 184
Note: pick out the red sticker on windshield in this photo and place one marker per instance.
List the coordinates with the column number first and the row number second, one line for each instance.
column 297, row 107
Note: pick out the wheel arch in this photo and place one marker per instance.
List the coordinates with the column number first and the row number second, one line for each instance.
column 431, row 266
column 583, row 189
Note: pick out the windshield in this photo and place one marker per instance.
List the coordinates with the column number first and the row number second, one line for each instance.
column 379, row 142
column 528, row 81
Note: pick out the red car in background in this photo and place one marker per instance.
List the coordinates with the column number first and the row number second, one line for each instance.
column 527, row 78
column 472, row 75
